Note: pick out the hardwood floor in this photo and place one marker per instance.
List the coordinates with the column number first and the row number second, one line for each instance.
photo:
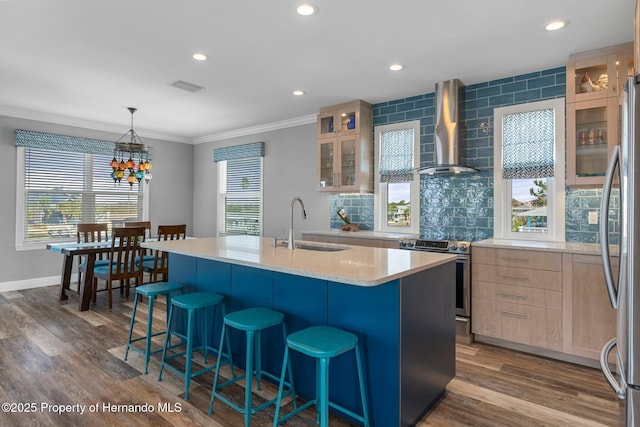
column 52, row 354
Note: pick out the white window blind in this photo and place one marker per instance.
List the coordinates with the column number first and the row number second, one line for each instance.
column 240, row 196
column 62, row 188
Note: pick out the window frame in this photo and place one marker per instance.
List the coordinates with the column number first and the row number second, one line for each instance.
column 23, row 244
column 502, row 189
column 381, row 188
column 220, row 197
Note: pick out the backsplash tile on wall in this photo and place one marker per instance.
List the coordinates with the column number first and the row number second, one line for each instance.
column 461, row 207
column 359, row 209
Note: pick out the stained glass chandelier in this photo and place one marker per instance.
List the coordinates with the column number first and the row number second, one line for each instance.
column 133, row 150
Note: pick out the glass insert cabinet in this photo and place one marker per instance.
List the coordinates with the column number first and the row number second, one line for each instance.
column 594, row 84
column 345, row 148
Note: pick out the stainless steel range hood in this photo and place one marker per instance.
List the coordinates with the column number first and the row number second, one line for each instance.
column 448, row 150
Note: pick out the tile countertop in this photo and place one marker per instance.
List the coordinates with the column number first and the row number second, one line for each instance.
column 567, row 247
column 356, row 265
column 362, row 234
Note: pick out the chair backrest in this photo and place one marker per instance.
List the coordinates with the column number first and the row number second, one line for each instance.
column 125, row 247
column 167, row 232
column 90, row 232
column 145, row 224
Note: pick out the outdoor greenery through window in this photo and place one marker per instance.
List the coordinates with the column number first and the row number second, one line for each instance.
column 529, row 171
column 240, row 196
column 58, row 189
column 397, row 184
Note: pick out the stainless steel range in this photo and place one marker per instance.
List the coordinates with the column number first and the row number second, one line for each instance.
column 462, row 250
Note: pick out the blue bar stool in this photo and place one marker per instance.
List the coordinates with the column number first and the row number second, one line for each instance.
column 150, row 291
column 191, row 303
column 322, row 343
column 252, row 321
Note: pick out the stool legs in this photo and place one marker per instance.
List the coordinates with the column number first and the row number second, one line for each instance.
column 321, row 401
column 253, row 342
column 363, row 393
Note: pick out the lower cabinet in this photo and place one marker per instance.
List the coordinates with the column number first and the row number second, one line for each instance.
column 589, row 319
column 548, row 300
column 515, row 303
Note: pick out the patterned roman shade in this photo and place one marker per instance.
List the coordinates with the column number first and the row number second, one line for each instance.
column 49, row 141
column 527, row 147
column 396, row 155
column 244, row 151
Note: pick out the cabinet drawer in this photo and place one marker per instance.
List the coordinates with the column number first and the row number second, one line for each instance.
column 540, row 279
column 535, row 326
column 534, row 297
column 551, row 261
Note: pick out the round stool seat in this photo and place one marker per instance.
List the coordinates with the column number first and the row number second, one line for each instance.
column 253, row 319
column 197, row 300
column 322, row 341
column 159, row 288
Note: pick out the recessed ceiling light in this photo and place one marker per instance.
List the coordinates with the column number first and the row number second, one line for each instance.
column 305, row 9
column 199, row 56
column 298, row 92
column 555, row 25
column 396, row 67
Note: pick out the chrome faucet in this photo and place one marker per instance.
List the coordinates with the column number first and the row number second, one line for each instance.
column 290, row 244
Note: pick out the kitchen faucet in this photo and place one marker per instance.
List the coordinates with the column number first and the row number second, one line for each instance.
column 290, row 244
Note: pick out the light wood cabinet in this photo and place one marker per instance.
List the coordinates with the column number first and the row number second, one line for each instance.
column 589, row 319
column 517, row 296
column 594, row 84
column 345, row 148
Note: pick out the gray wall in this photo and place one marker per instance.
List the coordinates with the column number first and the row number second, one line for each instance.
column 170, row 197
column 289, row 171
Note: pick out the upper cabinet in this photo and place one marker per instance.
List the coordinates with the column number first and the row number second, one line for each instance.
column 594, row 84
column 345, row 148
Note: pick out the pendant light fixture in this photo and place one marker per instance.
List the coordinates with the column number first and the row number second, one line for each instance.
column 133, row 150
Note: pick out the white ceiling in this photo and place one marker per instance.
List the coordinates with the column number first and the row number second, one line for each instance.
column 82, row 62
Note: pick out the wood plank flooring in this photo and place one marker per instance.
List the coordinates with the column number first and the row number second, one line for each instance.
column 52, row 355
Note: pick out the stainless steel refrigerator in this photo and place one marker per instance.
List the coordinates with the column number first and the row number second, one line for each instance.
column 624, row 290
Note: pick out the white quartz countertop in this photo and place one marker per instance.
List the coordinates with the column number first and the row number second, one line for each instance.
column 356, row 265
column 362, row 234
column 566, row 247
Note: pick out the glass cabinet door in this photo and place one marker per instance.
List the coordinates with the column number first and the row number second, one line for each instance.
column 327, row 172
column 592, row 131
column 592, row 78
column 347, row 162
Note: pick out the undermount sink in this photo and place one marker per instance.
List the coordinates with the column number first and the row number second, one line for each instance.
column 318, row 247
column 312, row 246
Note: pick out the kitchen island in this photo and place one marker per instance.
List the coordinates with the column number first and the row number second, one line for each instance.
column 401, row 304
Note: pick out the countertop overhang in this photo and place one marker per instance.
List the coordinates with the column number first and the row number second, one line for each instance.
column 355, row 265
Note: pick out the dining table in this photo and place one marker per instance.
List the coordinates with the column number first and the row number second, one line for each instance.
column 88, row 251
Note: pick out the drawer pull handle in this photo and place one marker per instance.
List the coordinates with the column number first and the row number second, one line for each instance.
column 513, row 314
column 510, row 258
column 515, row 296
column 504, row 276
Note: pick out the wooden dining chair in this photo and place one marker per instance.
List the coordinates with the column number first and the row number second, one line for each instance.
column 125, row 247
column 145, row 224
column 91, row 232
column 159, row 265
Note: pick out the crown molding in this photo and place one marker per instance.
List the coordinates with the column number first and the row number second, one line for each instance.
column 282, row 124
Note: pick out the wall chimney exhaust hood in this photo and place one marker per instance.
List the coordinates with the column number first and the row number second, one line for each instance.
column 449, row 116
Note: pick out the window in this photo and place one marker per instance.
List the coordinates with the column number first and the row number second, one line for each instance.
column 240, row 189
column 397, row 185
column 58, row 189
column 529, row 171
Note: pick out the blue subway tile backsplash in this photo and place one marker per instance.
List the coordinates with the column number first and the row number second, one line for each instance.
column 461, row 207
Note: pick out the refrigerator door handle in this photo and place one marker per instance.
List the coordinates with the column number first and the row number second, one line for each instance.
column 604, row 365
column 604, row 226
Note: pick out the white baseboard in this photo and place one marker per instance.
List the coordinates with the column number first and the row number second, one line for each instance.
column 31, row 283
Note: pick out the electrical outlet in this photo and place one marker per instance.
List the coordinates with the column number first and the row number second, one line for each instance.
column 593, row 217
